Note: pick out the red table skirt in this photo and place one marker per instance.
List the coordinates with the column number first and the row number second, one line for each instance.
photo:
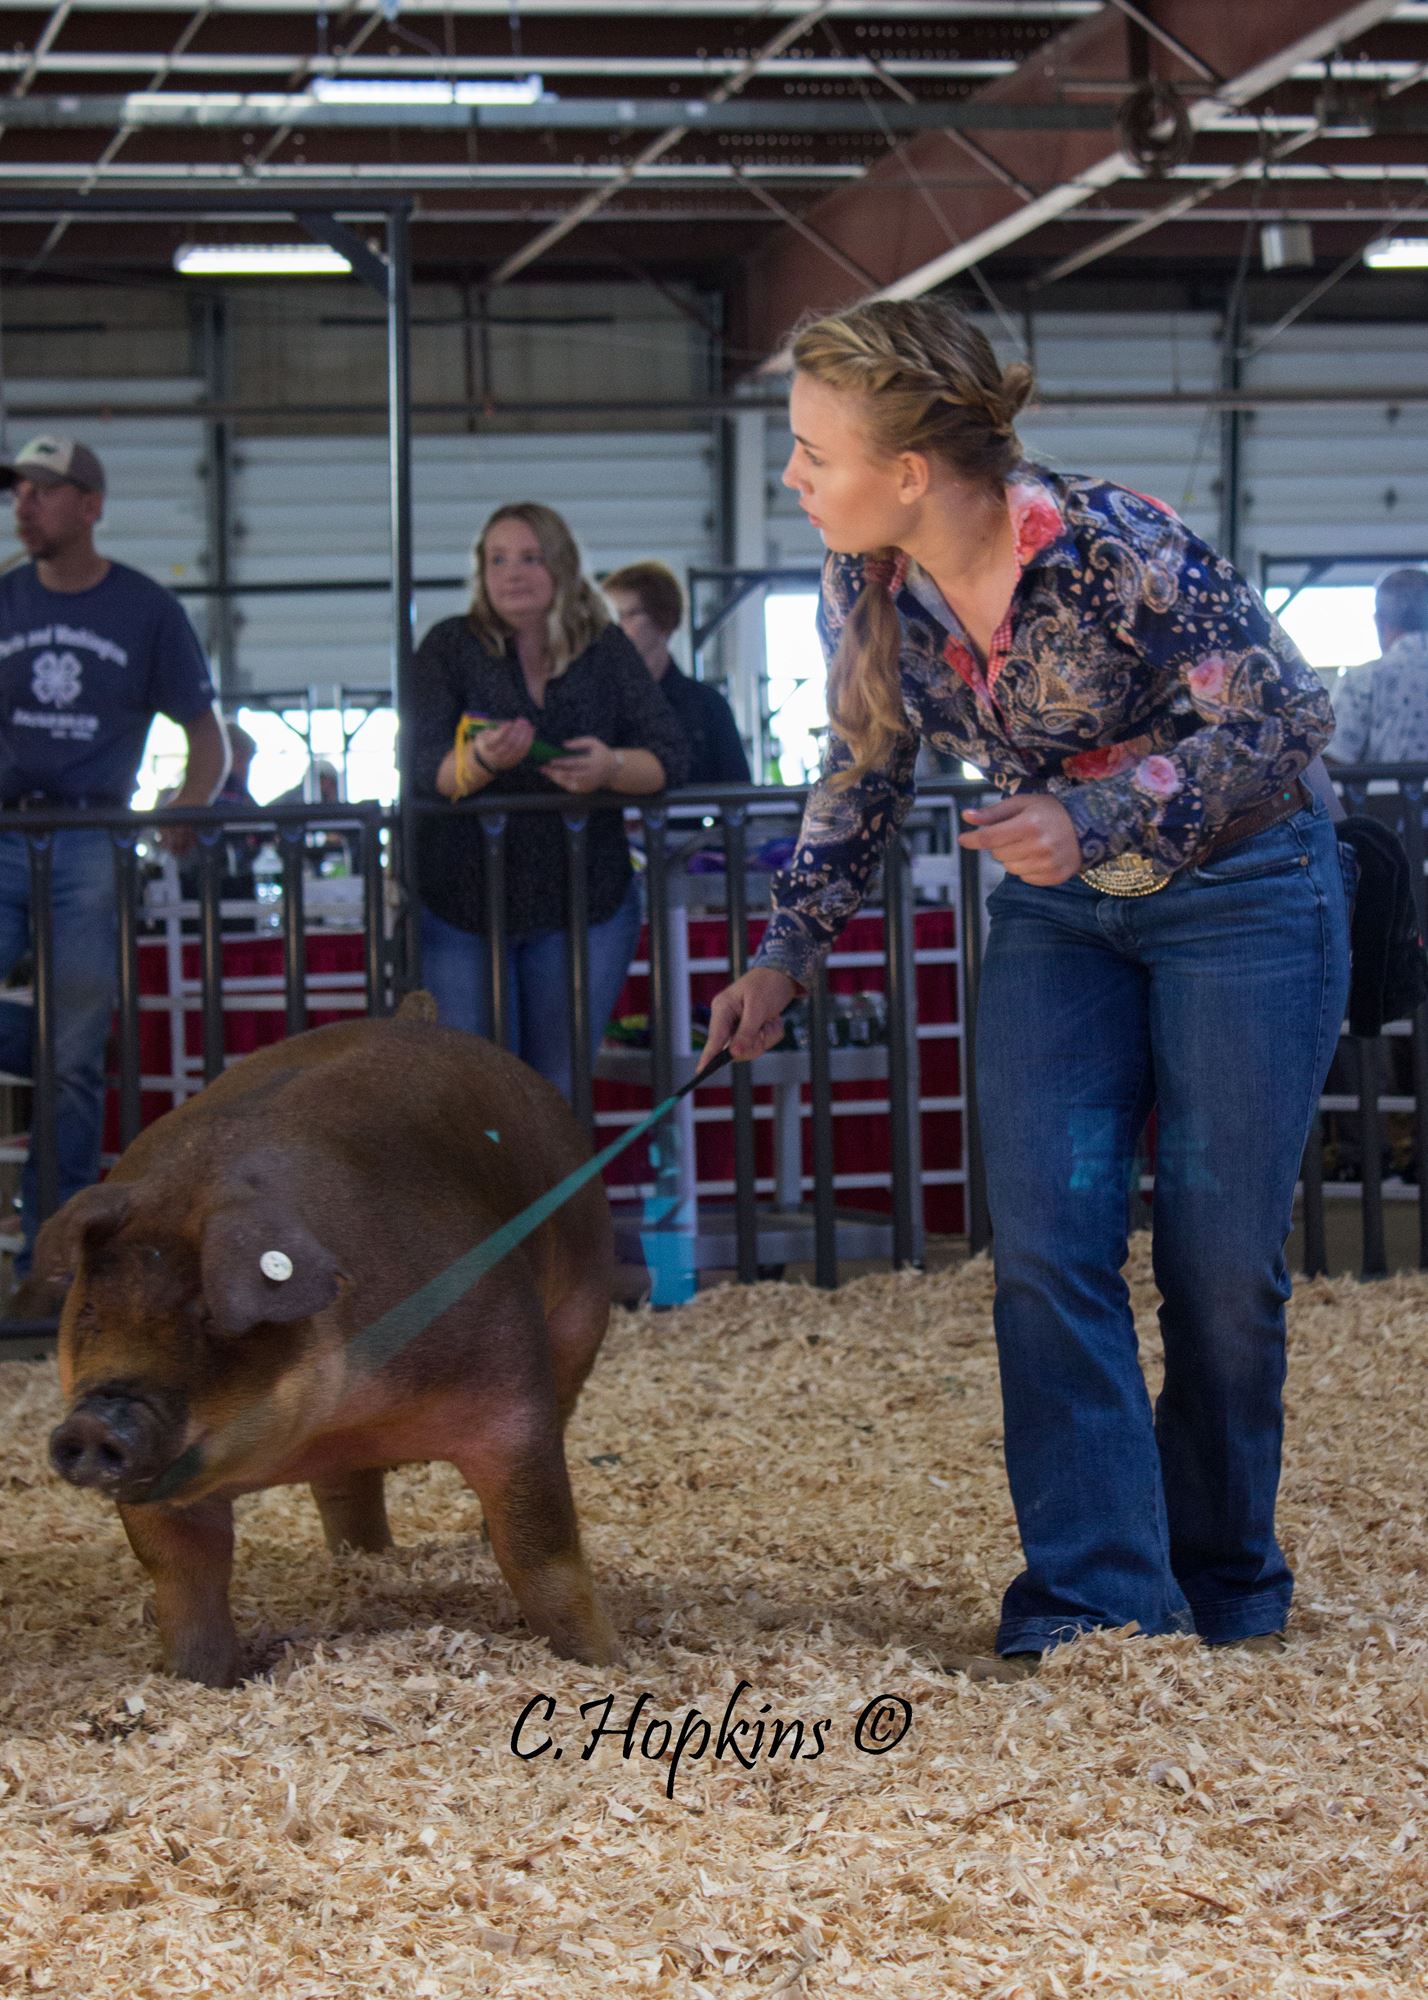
column 862, row 1143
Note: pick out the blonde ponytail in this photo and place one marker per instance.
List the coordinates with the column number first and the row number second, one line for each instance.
column 864, row 681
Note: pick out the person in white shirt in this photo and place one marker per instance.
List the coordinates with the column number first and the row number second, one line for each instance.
column 1381, row 717
column 1381, row 710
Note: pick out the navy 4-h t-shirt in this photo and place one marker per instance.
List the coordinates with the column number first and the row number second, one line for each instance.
column 82, row 675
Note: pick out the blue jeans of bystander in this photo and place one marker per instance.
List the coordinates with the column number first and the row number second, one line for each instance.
column 85, row 979
column 456, row 970
column 1218, row 1000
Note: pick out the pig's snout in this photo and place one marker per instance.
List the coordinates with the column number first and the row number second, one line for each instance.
column 113, row 1443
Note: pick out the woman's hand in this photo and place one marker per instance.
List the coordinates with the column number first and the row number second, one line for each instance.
column 1033, row 836
column 588, row 766
column 746, row 1018
column 501, row 747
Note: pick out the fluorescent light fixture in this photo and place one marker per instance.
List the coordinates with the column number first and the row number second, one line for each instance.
column 501, row 90
column 259, row 260
column 163, row 106
column 1398, row 253
column 421, row 90
column 379, row 90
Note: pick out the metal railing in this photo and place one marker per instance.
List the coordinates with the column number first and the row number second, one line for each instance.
column 289, row 827
column 1397, row 796
column 665, row 825
column 922, row 866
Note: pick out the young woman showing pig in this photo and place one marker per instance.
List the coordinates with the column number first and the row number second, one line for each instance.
column 1171, row 932
column 535, row 689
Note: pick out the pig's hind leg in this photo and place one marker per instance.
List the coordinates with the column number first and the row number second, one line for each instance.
column 577, row 1327
column 354, row 1510
column 517, row 1470
column 188, row 1553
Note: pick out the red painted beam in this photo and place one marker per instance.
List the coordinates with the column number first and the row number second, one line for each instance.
column 911, row 243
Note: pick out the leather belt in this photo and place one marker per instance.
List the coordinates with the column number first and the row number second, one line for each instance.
column 1134, row 875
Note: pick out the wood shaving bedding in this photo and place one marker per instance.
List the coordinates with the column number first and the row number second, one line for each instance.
column 795, row 1503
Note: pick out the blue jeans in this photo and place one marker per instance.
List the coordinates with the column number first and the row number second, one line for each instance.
column 86, row 931
column 455, row 968
column 1219, row 1001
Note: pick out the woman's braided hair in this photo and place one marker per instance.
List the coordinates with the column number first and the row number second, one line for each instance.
column 929, row 382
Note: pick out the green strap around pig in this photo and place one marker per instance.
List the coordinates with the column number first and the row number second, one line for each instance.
column 385, row 1338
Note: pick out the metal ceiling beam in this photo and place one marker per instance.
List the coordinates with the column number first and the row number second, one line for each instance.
column 116, row 144
column 735, row 214
column 374, row 270
column 249, row 111
column 256, row 62
column 1386, row 160
column 1205, row 221
column 279, row 137
column 297, row 178
column 1254, row 47
column 732, row 10
column 182, row 204
column 32, row 61
column 1131, row 232
column 1172, row 42
column 785, row 214
column 552, row 235
column 119, row 61
column 1394, row 395
column 287, row 181
column 1318, row 208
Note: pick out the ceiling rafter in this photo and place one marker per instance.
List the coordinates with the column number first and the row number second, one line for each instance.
column 552, row 235
column 1172, row 210
column 1245, row 44
column 49, row 35
column 738, row 11
column 795, row 222
column 112, row 150
column 301, row 71
column 104, row 95
column 262, row 64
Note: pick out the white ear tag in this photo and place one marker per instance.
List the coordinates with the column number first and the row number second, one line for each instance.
column 277, row 1265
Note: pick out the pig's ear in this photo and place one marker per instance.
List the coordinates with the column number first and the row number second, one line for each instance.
column 261, row 1265
column 88, row 1217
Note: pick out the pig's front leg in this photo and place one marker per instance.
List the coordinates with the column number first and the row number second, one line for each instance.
column 518, row 1472
column 188, row 1552
column 354, row 1510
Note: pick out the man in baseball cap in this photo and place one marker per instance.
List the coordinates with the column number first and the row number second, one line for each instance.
column 51, row 461
column 90, row 651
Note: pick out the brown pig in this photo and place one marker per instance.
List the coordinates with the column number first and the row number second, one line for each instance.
column 221, row 1278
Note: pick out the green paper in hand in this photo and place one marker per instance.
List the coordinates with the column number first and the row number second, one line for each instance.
column 540, row 751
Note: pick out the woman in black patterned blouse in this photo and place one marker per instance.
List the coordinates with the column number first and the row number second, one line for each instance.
column 1171, row 932
column 539, row 657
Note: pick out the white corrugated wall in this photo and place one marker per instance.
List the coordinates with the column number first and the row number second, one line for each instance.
column 1345, row 482
column 1172, row 453
column 1342, row 482
column 318, row 510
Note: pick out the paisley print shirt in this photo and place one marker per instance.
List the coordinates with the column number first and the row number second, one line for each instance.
column 1136, row 676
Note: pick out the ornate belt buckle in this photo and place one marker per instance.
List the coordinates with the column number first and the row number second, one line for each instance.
column 1126, row 875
